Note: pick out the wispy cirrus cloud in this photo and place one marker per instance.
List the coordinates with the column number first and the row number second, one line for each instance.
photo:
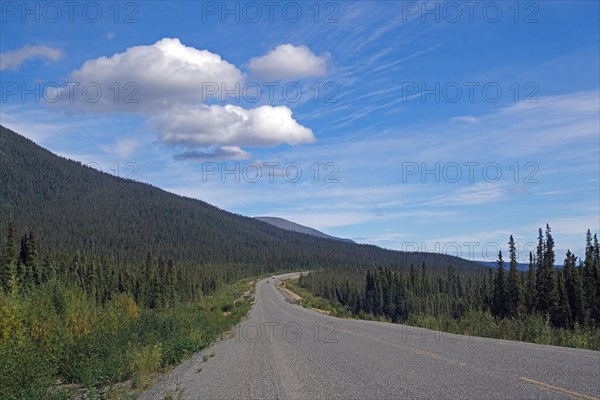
column 14, row 59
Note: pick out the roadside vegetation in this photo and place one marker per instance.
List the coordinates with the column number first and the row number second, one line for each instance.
column 77, row 327
column 57, row 343
column 544, row 305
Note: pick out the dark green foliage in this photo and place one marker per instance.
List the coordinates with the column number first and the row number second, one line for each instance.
column 544, row 312
column 514, row 285
column 561, row 313
column 530, row 292
column 591, row 279
column 574, row 289
column 546, row 281
column 8, row 257
column 500, row 305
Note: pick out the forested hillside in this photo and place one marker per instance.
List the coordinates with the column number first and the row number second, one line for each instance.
column 74, row 208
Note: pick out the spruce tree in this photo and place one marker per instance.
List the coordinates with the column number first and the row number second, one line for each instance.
column 574, row 289
column 499, row 303
column 8, row 259
column 589, row 284
column 595, row 309
column 531, row 292
column 561, row 312
column 515, row 292
column 546, row 288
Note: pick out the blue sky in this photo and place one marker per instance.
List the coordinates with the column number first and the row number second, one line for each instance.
column 435, row 126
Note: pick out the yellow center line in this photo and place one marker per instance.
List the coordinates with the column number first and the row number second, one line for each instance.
column 558, row 389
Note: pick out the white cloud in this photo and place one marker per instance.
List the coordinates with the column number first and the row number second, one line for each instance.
column 196, row 126
column 289, row 62
column 14, row 59
column 149, row 79
column 167, row 83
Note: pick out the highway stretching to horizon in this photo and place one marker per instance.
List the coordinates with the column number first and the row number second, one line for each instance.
column 284, row 351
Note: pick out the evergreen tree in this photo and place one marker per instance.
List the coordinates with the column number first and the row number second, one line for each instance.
column 369, row 293
column 574, row 288
column 531, row 292
column 546, row 287
column 28, row 262
column 515, row 292
column 500, row 304
column 378, row 293
column 8, row 259
column 589, row 280
column 488, row 290
column 561, row 312
column 595, row 308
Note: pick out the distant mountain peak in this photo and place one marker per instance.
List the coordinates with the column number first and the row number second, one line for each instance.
column 294, row 227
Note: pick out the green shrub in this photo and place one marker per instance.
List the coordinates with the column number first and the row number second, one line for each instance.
column 59, row 334
column 143, row 363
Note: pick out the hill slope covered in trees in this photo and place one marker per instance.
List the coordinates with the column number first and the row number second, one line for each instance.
column 72, row 207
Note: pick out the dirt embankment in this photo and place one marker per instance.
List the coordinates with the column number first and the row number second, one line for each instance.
column 289, row 295
column 295, row 298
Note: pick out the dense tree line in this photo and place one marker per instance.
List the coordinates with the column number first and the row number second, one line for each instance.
column 153, row 282
column 569, row 297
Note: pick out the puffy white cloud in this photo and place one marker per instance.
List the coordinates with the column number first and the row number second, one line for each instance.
column 202, row 125
column 149, row 78
column 167, row 83
column 289, row 62
column 14, row 59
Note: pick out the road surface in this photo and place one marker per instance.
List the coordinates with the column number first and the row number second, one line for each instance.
column 283, row 351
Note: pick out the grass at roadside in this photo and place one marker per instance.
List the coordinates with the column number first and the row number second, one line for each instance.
column 57, row 343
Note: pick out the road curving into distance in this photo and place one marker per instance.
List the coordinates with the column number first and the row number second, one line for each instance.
column 284, row 351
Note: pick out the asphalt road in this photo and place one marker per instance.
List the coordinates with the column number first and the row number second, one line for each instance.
column 283, row 351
